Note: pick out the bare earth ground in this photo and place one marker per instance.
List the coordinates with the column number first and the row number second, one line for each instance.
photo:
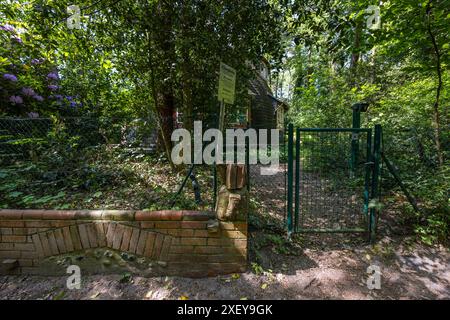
column 312, row 267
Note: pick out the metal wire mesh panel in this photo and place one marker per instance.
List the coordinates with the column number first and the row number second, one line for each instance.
column 20, row 137
column 331, row 174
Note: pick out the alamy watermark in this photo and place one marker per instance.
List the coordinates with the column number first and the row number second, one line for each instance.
column 373, row 22
column 74, row 20
column 374, row 279
column 74, row 280
column 236, row 140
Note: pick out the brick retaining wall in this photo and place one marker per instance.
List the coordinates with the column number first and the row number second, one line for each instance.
column 185, row 243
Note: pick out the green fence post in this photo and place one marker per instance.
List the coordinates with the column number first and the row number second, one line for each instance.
column 368, row 168
column 297, row 178
column 375, row 181
column 290, row 176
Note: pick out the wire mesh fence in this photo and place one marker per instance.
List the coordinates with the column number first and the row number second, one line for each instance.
column 22, row 138
column 333, row 180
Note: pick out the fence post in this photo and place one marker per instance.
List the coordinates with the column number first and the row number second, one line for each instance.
column 375, row 181
column 290, row 176
column 297, row 178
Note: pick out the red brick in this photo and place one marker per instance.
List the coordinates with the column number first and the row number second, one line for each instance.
column 201, row 233
column 88, row 214
column 174, row 232
column 11, row 214
column 118, row 215
column 196, row 215
column 149, row 244
column 141, row 243
column 33, row 214
column 147, row 225
column 181, row 249
column 167, row 225
column 193, row 241
column 134, row 240
column 13, row 238
column 193, row 225
column 84, row 237
column 158, row 246
column 6, row 246
column 165, row 248
column 219, row 242
column 29, row 254
column 101, row 233
column 110, row 234
column 10, row 254
column 60, row 241
column 12, row 224
column 126, row 239
column 58, row 215
column 20, row 231
column 38, row 224
column 92, row 235
column 61, row 223
column 24, row 246
column 45, row 244
column 208, row 250
column 67, row 239
column 6, row 231
column 147, row 215
column 75, row 236
column 118, row 234
column 52, row 242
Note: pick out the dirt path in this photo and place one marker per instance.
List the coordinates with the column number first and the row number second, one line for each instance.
column 313, row 267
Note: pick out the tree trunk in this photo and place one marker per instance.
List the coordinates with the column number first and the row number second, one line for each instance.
column 436, row 114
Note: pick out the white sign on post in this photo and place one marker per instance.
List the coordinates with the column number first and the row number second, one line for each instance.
column 227, row 83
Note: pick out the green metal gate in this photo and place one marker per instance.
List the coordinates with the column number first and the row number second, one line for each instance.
column 332, row 177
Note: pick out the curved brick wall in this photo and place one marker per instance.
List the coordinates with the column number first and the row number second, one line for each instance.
column 185, row 243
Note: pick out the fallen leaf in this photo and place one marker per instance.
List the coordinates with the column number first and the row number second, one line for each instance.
column 95, row 295
column 264, row 286
column 235, row 276
column 243, row 298
column 183, row 298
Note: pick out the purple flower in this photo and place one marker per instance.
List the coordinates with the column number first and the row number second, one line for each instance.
column 7, row 27
column 69, row 98
column 38, row 98
column 58, row 97
column 35, row 61
column 16, row 99
column 10, row 77
column 17, row 39
column 52, row 87
column 33, row 115
column 28, row 92
column 52, row 76
column 73, row 104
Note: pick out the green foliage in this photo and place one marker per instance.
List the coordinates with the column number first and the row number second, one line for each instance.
column 337, row 62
